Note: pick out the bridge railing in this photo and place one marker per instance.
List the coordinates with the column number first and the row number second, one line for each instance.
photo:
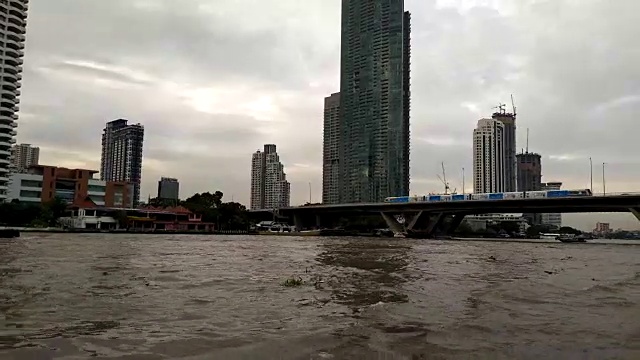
column 617, row 193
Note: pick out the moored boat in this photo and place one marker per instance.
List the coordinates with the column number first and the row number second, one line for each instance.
column 568, row 238
column 9, row 233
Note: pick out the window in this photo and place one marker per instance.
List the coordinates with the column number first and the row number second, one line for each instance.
column 30, row 194
column 31, row 183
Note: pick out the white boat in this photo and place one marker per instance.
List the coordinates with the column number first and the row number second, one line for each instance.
column 548, row 236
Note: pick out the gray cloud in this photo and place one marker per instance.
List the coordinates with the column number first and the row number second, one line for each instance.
column 213, row 80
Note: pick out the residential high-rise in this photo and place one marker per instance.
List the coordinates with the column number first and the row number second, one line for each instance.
column 373, row 146
column 552, row 219
column 529, row 167
column 489, row 156
column 509, row 121
column 269, row 186
column 169, row 189
column 13, row 21
column 23, row 156
column 330, row 158
column 122, row 154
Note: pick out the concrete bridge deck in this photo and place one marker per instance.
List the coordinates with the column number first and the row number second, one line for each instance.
column 430, row 215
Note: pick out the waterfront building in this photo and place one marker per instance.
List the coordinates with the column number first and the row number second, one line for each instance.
column 269, row 186
column 330, row 150
column 13, row 25
column 122, row 154
column 143, row 219
column 373, row 145
column 489, row 156
column 23, row 156
column 41, row 183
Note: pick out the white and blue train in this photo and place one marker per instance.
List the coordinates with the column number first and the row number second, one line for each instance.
column 491, row 196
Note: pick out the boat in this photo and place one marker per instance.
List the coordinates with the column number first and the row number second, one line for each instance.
column 568, row 238
column 9, row 233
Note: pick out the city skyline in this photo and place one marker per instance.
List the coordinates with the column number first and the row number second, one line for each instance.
column 464, row 62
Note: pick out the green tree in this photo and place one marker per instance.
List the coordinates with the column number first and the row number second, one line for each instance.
column 233, row 216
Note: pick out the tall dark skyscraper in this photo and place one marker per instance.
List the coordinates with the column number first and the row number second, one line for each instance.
column 529, row 171
column 122, row 154
column 373, row 145
column 529, row 166
column 330, row 150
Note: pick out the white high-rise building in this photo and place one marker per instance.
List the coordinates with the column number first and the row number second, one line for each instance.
column 269, row 186
column 23, row 156
column 13, row 23
column 489, row 157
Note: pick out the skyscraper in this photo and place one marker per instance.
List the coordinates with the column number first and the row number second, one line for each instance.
column 13, row 21
column 330, row 158
column 529, row 167
column 374, row 101
column 489, row 156
column 122, row 154
column 509, row 121
column 169, row 189
column 269, row 186
column 23, row 156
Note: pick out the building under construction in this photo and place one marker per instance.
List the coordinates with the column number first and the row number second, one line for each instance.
column 509, row 140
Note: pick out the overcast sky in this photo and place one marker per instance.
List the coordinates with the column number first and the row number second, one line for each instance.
column 213, row 80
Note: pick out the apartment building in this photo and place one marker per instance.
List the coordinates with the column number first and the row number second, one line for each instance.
column 489, row 157
column 121, row 159
column 269, row 186
column 13, row 27
column 23, row 156
column 41, row 183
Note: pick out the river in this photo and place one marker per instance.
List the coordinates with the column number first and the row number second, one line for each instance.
column 222, row 297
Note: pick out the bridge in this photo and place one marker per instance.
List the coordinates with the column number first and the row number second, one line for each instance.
column 444, row 217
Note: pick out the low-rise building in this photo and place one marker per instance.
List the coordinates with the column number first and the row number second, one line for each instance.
column 41, row 183
column 147, row 219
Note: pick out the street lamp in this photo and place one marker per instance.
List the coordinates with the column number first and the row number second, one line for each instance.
column 604, row 184
column 591, row 167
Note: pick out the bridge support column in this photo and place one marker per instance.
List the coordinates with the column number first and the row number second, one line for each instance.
column 393, row 224
column 455, row 222
column 297, row 222
column 418, row 218
column 435, row 224
column 635, row 212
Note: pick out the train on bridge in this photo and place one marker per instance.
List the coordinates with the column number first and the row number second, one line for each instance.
column 491, row 196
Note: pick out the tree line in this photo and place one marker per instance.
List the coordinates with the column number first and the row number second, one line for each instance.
column 46, row 214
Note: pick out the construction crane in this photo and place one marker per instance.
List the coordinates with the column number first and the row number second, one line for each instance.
column 513, row 104
column 443, row 179
column 501, row 108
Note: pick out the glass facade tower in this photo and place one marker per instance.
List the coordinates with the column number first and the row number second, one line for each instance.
column 374, row 101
